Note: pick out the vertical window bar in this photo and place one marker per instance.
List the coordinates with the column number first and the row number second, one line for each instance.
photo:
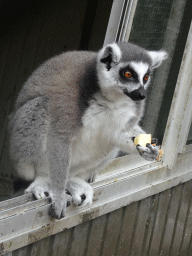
column 178, row 122
column 120, row 21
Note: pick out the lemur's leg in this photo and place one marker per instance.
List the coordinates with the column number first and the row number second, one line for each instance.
column 41, row 186
column 101, row 165
column 25, row 170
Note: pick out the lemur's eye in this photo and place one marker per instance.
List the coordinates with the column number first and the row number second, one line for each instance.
column 128, row 74
column 146, row 77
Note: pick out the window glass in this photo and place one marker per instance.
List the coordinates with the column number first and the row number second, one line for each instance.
column 161, row 24
column 189, row 139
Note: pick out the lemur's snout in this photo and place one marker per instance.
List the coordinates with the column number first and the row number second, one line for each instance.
column 136, row 95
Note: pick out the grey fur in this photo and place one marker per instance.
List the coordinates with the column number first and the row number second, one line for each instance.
column 69, row 106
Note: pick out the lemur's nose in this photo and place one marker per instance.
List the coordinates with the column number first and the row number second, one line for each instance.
column 138, row 94
column 142, row 93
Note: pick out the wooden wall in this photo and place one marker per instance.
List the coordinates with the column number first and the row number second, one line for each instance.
column 158, row 225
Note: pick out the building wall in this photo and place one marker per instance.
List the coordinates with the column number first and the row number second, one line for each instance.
column 158, row 225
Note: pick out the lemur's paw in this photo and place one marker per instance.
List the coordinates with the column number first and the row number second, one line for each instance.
column 58, row 205
column 68, row 198
column 38, row 189
column 149, row 152
column 82, row 197
column 81, row 191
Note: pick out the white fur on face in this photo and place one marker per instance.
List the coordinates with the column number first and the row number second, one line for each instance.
column 141, row 69
column 106, row 77
column 158, row 57
column 116, row 52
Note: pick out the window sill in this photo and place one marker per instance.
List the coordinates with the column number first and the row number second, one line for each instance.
column 125, row 180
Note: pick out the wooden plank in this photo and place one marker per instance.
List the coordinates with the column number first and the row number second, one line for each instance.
column 24, row 251
column 7, row 91
column 12, row 64
column 27, row 62
column 4, row 49
column 100, row 24
column 96, row 235
column 159, row 222
column 190, row 247
column 187, row 234
column 127, row 229
column 41, row 247
column 47, row 25
column 150, row 224
column 140, row 227
column 79, row 239
column 6, row 167
column 60, row 243
column 180, row 221
column 67, row 35
column 170, row 220
column 111, row 237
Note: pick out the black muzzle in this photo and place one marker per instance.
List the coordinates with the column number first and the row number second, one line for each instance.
column 136, row 95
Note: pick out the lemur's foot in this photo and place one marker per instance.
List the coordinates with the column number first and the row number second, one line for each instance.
column 40, row 188
column 149, row 152
column 59, row 202
column 80, row 190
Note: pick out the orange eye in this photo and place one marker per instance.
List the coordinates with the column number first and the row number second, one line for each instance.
column 146, row 77
column 128, row 74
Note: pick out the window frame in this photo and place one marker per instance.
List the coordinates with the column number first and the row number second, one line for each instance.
column 125, row 180
column 180, row 115
column 120, row 21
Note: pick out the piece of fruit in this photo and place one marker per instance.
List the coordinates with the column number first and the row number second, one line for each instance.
column 159, row 157
column 142, row 140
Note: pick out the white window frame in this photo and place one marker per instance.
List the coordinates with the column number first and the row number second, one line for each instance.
column 126, row 179
column 120, row 21
column 180, row 116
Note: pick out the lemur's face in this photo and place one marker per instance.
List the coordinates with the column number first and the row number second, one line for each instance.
column 127, row 68
column 134, row 77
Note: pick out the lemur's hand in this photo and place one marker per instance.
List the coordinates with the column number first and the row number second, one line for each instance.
column 149, row 153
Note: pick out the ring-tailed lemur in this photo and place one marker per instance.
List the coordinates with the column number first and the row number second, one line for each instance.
column 72, row 116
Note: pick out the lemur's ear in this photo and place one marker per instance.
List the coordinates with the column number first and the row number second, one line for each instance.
column 110, row 53
column 158, row 57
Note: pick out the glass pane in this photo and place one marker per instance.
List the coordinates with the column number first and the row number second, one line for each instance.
column 189, row 139
column 161, row 24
